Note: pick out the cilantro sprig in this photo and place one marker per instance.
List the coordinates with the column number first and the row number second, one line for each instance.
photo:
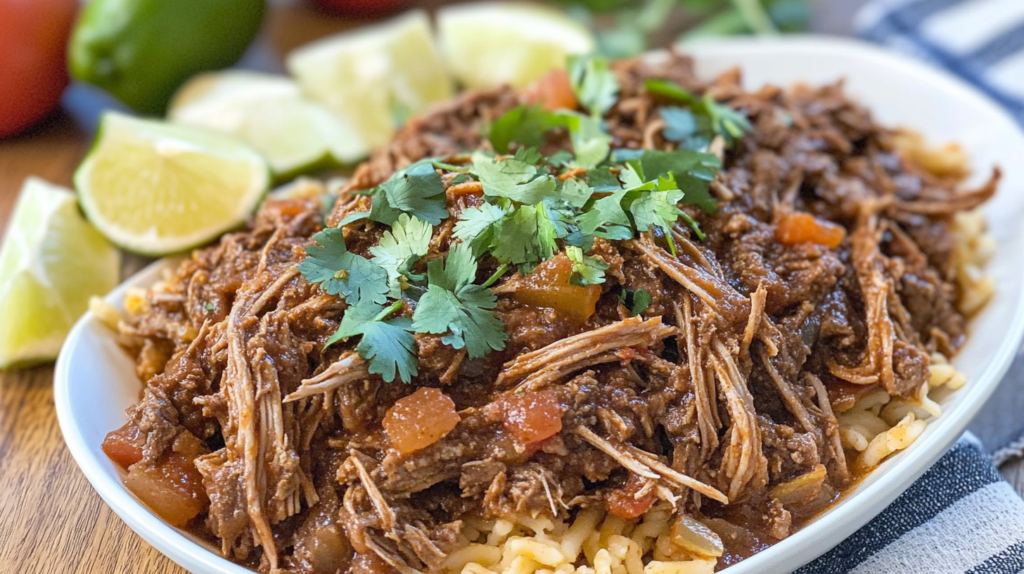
column 586, row 270
column 388, row 345
column 705, row 118
column 636, row 301
column 341, row 272
column 457, row 308
column 526, row 215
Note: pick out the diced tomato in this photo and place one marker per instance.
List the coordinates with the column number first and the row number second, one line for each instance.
column 797, row 228
column 124, row 446
column 419, row 420
column 623, row 502
column 173, row 488
column 532, row 417
column 548, row 286
column 552, row 92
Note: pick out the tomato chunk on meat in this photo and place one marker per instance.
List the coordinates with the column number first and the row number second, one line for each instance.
column 797, row 228
column 533, row 417
column 548, row 286
column 124, row 446
column 624, row 503
column 173, row 488
column 419, row 420
column 552, row 92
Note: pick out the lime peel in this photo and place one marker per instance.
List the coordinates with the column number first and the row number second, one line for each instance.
column 51, row 262
column 157, row 188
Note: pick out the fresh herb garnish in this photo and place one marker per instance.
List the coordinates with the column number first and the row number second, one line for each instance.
column 454, row 306
column 636, row 301
column 721, row 119
column 593, row 82
column 416, row 190
column 525, row 237
column 408, row 240
column 340, row 272
column 388, row 345
column 514, row 179
column 586, row 270
column 526, row 216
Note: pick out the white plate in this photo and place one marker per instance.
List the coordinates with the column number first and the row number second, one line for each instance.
column 95, row 379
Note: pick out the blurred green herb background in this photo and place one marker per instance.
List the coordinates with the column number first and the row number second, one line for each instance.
column 628, row 27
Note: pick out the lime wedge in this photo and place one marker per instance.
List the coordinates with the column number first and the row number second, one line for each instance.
column 158, row 188
column 271, row 114
column 376, row 76
column 494, row 43
column 51, row 262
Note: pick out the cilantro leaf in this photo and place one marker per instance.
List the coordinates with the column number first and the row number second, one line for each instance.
column 353, row 217
column 408, row 240
column 514, row 179
column 687, row 170
column 381, row 211
column 607, row 219
column 525, row 125
column 417, row 190
column 687, row 129
column 641, row 301
column 457, row 308
column 388, row 346
column 593, row 82
column 526, row 236
column 576, row 193
column 632, row 177
column 723, row 120
column 340, row 272
column 476, row 224
column 586, row 270
column 636, row 301
column 602, row 179
column 589, row 140
column 656, row 208
column 528, row 155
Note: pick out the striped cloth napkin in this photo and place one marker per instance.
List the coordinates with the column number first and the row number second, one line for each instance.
column 961, row 516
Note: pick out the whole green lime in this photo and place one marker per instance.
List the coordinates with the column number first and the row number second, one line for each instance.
column 140, row 51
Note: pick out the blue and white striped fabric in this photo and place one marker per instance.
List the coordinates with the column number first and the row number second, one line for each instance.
column 982, row 41
column 961, row 516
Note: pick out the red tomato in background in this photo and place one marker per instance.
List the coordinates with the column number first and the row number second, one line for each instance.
column 33, row 74
column 360, row 8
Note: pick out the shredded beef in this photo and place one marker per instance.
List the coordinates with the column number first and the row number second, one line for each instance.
column 721, row 389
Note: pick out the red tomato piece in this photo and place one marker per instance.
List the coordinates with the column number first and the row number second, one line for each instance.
column 173, row 489
column 533, row 417
column 552, row 92
column 548, row 286
column 797, row 228
column 419, row 420
column 33, row 73
column 623, row 502
column 124, row 446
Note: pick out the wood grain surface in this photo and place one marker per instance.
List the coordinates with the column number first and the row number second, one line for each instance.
column 51, row 520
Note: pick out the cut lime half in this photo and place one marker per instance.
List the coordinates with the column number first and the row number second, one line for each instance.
column 375, row 76
column 493, row 43
column 158, row 188
column 271, row 114
column 51, row 262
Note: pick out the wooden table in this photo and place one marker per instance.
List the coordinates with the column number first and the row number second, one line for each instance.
column 51, row 520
